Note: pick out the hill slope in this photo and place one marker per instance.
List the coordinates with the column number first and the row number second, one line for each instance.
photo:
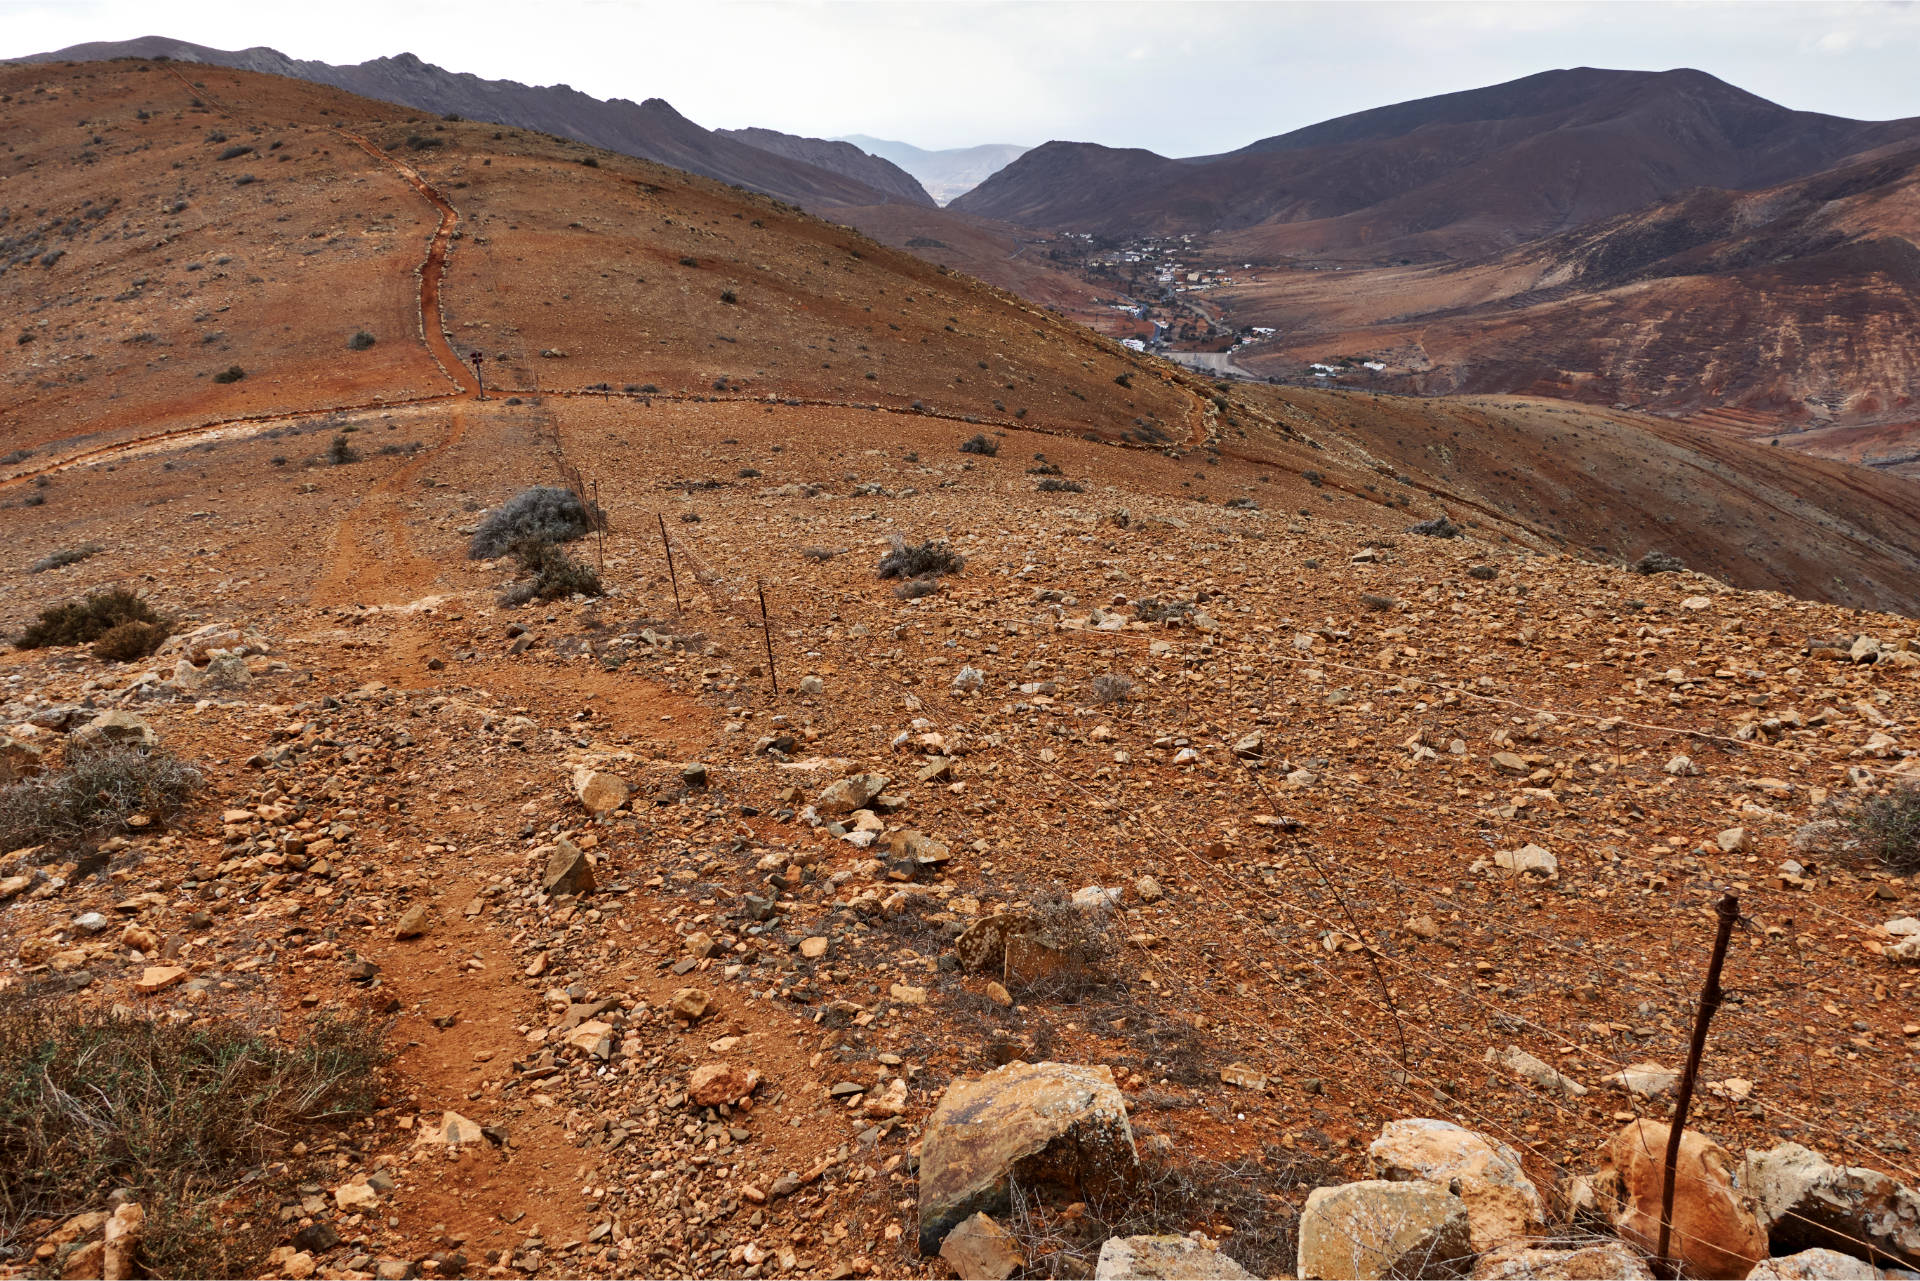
column 647, row 868
column 1797, row 303
column 841, row 157
column 652, row 130
column 568, row 276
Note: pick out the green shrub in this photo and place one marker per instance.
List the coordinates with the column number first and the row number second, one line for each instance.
column 361, row 340
column 78, row 622
column 130, row 641
column 341, row 452
column 231, row 374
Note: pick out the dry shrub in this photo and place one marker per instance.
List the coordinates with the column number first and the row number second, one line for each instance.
column 1887, row 826
column 79, row 622
column 177, row 1113
column 556, row 575
column 97, row 793
column 1156, row 611
column 542, row 514
column 1083, row 944
column 130, row 641
column 1111, row 687
column 919, row 560
column 979, row 443
column 1438, row 527
column 1241, row 1204
column 65, row 556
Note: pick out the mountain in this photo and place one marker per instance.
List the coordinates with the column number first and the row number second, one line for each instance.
column 652, row 130
column 1796, row 303
column 1445, row 177
column 946, row 174
column 840, row 157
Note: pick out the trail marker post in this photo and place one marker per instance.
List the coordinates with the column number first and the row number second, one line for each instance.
column 478, row 382
column 766, row 632
column 675, row 577
column 1729, row 910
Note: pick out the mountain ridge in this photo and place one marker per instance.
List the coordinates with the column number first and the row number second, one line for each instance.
column 1449, row 176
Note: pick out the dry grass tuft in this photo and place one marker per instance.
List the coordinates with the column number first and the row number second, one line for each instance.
column 176, row 1113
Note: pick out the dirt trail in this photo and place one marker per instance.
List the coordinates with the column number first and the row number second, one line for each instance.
column 434, row 269
column 372, row 560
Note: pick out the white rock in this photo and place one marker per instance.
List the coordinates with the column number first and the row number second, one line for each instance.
column 1502, row 1204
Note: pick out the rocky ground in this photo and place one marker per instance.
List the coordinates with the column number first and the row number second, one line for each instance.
column 1268, row 821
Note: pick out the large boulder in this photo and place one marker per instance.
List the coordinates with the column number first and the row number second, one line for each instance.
column 1042, row 1123
column 1815, row 1265
column 568, row 870
column 112, row 729
column 712, row 1084
column 1502, row 1203
column 1601, row 1261
column 1367, row 1231
column 1165, row 1258
column 1807, row 1202
column 1716, row 1221
column 223, row 671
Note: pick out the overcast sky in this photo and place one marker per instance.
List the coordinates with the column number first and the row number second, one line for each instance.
column 1182, row 77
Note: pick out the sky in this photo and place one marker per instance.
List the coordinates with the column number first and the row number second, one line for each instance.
column 1181, row 77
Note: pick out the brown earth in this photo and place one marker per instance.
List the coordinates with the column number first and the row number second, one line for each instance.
column 1327, row 911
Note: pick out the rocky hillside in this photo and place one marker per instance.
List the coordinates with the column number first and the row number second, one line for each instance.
column 691, row 809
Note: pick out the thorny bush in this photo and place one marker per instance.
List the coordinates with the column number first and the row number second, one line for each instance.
column 96, row 793
column 1887, row 826
column 919, row 560
column 544, row 514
